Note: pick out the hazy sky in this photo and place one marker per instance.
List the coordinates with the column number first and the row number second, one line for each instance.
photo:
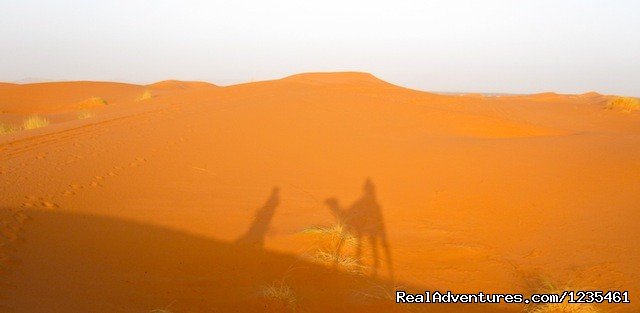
column 492, row 46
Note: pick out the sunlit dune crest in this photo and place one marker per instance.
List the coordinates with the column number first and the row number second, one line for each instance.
column 176, row 84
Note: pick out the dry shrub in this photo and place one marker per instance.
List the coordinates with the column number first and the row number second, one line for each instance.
column 92, row 103
column 625, row 104
column 328, row 237
column 8, row 129
column 541, row 285
column 85, row 114
column 279, row 297
column 34, row 122
column 325, row 251
column 346, row 263
column 146, row 95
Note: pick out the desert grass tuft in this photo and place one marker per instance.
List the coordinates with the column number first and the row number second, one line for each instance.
column 84, row 114
column 563, row 308
column 625, row 104
column 146, row 95
column 327, row 239
column 386, row 293
column 541, row 285
column 331, row 235
column 8, row 129
column 92, row 102
column 163, row 310
column 280, row 295
column 34, row 122
column 346, row 263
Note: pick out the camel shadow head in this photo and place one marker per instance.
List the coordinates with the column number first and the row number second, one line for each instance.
column 334, row 206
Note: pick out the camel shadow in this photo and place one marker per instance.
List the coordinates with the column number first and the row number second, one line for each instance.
column 363, row 219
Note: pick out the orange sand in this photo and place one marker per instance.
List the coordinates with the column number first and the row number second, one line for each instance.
column 139, row 207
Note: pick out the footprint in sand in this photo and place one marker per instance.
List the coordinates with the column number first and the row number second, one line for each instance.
column 9, row 234
column 11, row 228
column 33, row 203
column 11, row 225
column 4, row 256
column 6, row 247
column 49, row 205
column 21, row 217
column 5, row 285
column 8, row 261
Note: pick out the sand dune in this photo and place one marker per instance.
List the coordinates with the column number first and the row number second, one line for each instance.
column 6, row 85
column 349, row 79
column 142, row 206
column 176, row 84
column 60, row 97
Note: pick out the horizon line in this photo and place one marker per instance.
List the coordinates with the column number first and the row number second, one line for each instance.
column 37, row 80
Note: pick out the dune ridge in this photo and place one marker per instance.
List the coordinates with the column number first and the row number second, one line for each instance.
column 178, row 84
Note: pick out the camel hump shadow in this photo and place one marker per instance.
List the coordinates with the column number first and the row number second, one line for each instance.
column 363, row 219
column 255, row 235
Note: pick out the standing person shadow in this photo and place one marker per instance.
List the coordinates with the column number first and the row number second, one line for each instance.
column 363, row 219
column 256, row 233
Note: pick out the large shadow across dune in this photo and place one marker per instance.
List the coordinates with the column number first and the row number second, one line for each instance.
column 84, row 263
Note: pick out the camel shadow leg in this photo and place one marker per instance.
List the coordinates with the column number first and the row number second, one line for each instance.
column 376, row 259
column 387, row 252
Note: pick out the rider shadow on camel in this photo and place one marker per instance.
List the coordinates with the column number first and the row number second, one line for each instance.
column 363, row 219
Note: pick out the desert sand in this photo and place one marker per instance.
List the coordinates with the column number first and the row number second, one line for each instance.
column 191, row 197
